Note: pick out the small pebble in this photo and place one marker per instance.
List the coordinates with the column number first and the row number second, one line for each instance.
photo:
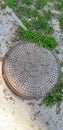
column 33, row 118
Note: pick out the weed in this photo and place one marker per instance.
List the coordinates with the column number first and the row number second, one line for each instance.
column 34, row 13
column 27, row 24
column 42, row 24
column 47, row 15
column 28, row 2
column 26, row 12
column 36, row 37
column 39, row 24
column 41, row 3
column 49, row 30
column 23, row 11
column 58, row 4
column 12, row 3
column 56, row 96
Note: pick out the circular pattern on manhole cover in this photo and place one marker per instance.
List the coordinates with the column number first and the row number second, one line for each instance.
column 30, row 71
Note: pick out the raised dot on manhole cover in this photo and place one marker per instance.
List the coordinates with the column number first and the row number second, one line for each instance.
column 30, row 71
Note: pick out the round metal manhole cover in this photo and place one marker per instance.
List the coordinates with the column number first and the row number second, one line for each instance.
column 30, row 71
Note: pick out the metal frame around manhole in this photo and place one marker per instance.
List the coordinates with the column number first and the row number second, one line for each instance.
column 11, row 86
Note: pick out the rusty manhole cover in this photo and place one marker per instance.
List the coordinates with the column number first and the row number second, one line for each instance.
column 30, row 71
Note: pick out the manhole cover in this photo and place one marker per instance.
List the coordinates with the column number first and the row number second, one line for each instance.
column 30, row 71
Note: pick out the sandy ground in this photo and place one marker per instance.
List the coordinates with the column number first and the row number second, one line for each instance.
column 21, row 114
column 7, row 30
column 17, row 113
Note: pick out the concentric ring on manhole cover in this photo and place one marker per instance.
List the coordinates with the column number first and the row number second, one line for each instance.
column 30, row 71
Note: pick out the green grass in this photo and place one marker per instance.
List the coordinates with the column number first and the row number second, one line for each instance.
column 34, row 13
column 12, row 3
column 42, row 24
column 27, row 24
column 28, row 2
column 36, row 37
column 41, row 3
column 47, row 15
column 58, row 5
column 39, row 24
column 56, row 96
column 23, row 11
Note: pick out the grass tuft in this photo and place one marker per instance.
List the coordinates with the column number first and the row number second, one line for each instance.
column 28, row 2
column 25, row 12
column 12, row 3
column 41, row 3
column 56, row 96
column 58, row 5
column 42, row 24
column 36, row 37
column 47, row 15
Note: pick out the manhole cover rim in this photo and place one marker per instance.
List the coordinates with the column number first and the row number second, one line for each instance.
column 10, row 85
